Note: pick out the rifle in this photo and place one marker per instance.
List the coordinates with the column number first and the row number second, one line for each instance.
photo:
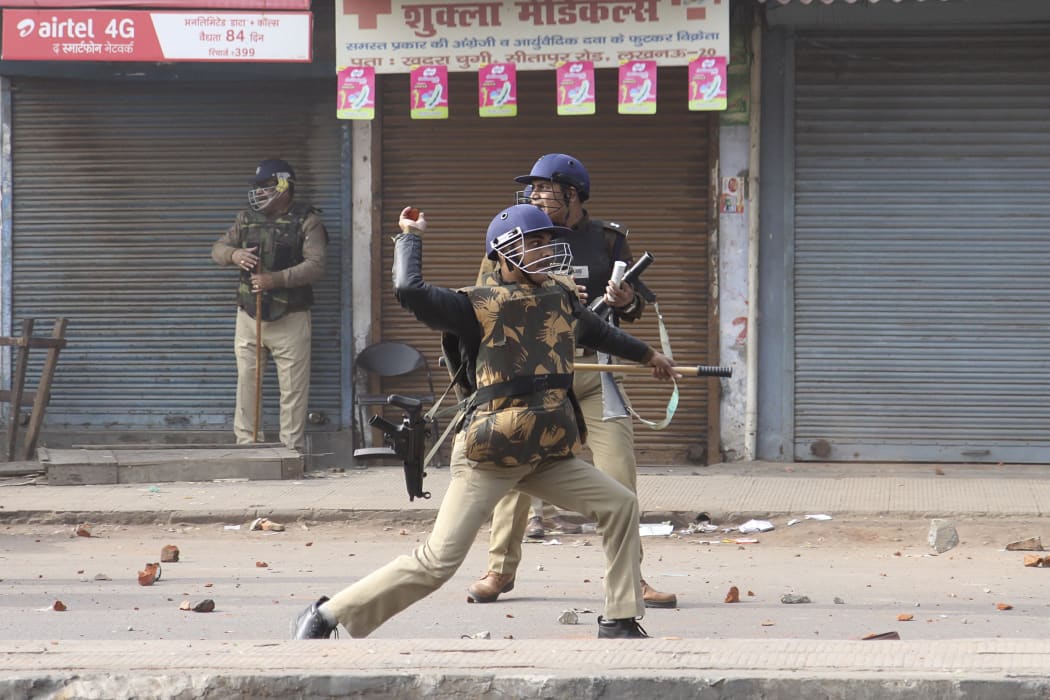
column 405, row 441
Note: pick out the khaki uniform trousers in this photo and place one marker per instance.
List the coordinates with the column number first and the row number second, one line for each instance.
column 612, row 446
column 287, row 340
column 472, row 492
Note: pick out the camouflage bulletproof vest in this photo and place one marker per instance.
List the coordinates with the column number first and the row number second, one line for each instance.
column 280, row 242
column 524, row 370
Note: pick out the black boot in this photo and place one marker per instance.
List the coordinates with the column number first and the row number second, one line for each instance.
column 311, row 623
column 626, row 628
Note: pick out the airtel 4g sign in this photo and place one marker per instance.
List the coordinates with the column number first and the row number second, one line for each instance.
column 69, row 28
column 122, row 35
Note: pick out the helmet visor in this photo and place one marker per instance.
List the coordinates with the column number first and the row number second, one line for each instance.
column 264, row 193
column 554, row 258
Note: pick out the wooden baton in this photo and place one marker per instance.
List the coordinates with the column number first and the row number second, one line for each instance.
column 685, row 370
column 258, row 358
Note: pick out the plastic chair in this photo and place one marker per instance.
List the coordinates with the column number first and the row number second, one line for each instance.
column 389, row 359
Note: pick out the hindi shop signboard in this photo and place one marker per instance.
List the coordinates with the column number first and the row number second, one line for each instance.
column 395, row 36
column 128, row 35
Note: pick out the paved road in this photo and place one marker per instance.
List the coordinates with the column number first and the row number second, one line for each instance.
column 860, row 575
column 872, row 556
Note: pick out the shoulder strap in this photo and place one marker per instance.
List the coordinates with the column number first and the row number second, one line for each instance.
column 615, row 235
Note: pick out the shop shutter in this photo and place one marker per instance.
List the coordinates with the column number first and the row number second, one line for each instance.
column 922, row 301
column 120, row 189
column 648, row 172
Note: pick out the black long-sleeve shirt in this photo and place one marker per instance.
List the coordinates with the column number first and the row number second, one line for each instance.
column 446, row 310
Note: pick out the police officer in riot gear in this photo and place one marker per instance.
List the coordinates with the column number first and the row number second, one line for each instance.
column 518, row 330
column 559, row 184
column 278, row 246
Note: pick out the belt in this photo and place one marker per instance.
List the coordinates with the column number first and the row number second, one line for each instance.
column 520, row 386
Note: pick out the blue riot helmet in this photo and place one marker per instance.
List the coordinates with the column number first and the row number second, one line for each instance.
column 560, row 168
column 506, row 236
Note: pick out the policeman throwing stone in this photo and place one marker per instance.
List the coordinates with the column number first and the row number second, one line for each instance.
column 559, row 185
column 514, row 338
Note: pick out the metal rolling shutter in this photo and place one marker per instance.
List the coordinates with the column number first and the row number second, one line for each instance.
column 922, row 303
column 650, row 173
column 120, row 189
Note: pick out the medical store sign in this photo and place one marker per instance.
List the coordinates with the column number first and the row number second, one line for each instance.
column 396, row 36
column 128, row 35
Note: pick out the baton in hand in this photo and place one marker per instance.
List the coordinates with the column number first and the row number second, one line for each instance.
column 685, row 370
column 258, row 357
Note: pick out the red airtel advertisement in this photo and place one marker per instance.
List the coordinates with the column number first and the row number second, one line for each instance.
column 131, row 35
column 261, row 5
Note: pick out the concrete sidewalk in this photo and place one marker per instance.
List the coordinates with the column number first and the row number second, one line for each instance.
column 584, row 668
column 668, row 669
column 726, row 492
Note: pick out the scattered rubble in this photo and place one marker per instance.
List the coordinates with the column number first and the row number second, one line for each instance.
column 943, row 535
column 1032, row 544
column 266, row 524
column 568, row 617
column 150, row 574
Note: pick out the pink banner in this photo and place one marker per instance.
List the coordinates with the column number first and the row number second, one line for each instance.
column 357, row 89
column 429, row 98
column 576, row 88
column 707, row 84
column 498, row 90
column 637, row 93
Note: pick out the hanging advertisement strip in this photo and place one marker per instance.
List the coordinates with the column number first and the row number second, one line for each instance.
column 396, row 35
column 707, row 84
column 429, row 86
column 576, row 88
column 497, row 90
column 128, row 35
column 637, row 93
column 357, row 89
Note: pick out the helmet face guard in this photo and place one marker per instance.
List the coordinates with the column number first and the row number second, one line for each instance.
column 264, row 194
column 507, row 233
column 554, row 258
column 273, row 178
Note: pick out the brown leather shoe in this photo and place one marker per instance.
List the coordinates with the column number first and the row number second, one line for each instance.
column 488, row 588
column 656, row 599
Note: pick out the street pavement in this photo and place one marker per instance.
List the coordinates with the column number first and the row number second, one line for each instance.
column 440, row 668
